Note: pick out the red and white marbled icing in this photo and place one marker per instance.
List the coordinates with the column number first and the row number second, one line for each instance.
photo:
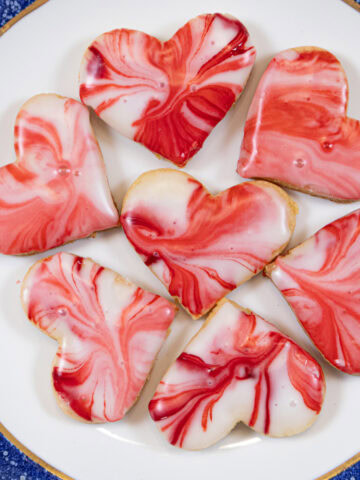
column 199, row 245
column 168, row 95
column 297, row 132
column 320, row 279
column 237, row 368
column 109, row 333
column 57, row 190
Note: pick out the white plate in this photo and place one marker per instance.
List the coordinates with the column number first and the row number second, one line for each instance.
column 42, row 53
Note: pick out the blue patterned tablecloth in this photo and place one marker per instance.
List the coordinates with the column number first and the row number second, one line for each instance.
column 15, row 465
column 10, row 8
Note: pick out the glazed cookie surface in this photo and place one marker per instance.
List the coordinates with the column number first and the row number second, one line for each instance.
column 57, row 190
column 109, row 332
column 320, row 280
column 202, row 246
column 297, row 133
column 238, row 367
column 168, row 95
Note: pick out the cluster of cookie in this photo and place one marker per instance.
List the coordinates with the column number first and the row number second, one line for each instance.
column 169, row 96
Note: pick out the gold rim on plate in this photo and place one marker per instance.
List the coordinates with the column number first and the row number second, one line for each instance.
column 31, row 455
column 327, row 476
column 6, row 433
column 335, row 471
column 353, row 4
column 21, row 14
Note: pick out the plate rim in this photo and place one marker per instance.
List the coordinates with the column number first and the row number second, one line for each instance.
column 21, row 14
column 39, row 461
column 353, row 3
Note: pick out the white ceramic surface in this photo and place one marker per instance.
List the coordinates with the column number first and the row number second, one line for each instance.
column 42, row 53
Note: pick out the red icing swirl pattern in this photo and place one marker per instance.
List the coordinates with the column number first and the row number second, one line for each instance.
column 202, row 246
column 237, row 368
column 297, row 132
column 168, row 96
column 57, row 190
column 109, row 333
column 320, row 280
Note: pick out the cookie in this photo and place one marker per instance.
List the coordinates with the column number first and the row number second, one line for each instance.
column 202, row 246
column 297, row 133
column 320, row 280
column 238, row 367
column 57, row 190
column 168, row 95
column 109, row 332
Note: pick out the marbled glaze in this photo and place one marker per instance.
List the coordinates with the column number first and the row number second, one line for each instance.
column 168, row 96
column 199, row 245
column 237, row 368
column 320, row 279
column 297, row 132
column 57, row 190
column 109, row 332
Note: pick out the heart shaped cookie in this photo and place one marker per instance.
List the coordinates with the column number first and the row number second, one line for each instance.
column 238, row 367
column 57, row 190
column 168, row 95
column 320, row 280
column 297, row 133
column 109, row 333
column 203, row 246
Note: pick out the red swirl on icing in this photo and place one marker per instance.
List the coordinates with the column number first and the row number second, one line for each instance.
column 109, row 333
column 202, row 262
column 189, row 81
column 297, row 132
column 326, row 296
column 249, row 356
column 57, row 190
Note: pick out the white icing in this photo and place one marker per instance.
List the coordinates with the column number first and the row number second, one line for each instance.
column 288, row 412
column 109, row 332
column 172, row 205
